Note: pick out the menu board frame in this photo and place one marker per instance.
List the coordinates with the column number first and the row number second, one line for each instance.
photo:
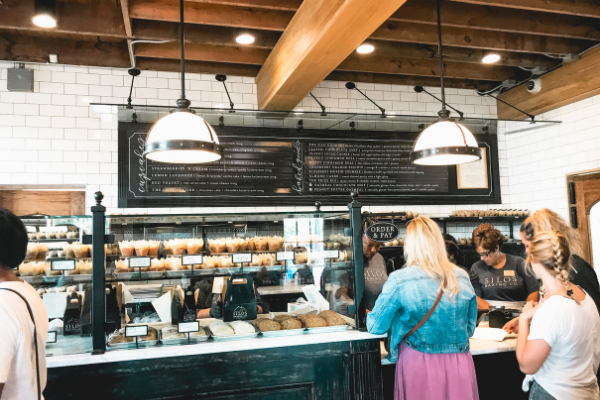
column 454, row 195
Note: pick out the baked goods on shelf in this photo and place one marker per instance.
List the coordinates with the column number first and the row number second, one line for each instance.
column 395, row 243
column 220, row 328
column 241, row 327
column 312, row 321
column 290, row 323
column 142, row 247
column 126, row 248
column 490, row 213
column 118, row 337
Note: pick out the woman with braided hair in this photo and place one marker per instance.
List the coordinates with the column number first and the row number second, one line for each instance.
column 558, row 345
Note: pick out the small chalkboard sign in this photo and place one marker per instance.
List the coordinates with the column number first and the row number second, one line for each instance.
column 284, row 256
column 62, row 265
column 382, row 232
column 331, row 254
column 52, row 337
column 191, row 259
column 139, row 262
column 188, row 327
column 136, row 330
column 238, row 258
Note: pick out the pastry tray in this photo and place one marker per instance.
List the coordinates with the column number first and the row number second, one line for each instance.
column 193, row 339
column 131, row 345
column 327, row 329
column 242, row 336
column 284, row 332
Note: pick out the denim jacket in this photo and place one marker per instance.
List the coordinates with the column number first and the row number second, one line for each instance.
column 407, row 297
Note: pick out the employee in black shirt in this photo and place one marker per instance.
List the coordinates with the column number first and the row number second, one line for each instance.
column 582, row 274
column 499, row 276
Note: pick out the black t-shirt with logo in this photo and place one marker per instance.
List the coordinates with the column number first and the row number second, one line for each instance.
column 510, row 283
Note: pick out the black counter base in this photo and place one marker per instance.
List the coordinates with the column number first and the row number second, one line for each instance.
column 344, row 370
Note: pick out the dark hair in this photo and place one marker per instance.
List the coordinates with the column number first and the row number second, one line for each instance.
column 451, row 247
column 528, row 229
column 488, row 237
column 13, row 240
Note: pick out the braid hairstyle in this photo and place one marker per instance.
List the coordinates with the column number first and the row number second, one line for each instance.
column 551, row 250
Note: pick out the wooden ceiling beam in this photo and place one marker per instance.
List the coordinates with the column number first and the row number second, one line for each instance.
column 582, row 8
column 95, row 18
column 573, row 82
column 479, row 39
column 201, row 52
column 475, row 16
column 211, row 14
column 36, row 49
column 200, row 67
column 320, row 36
column 281, row 5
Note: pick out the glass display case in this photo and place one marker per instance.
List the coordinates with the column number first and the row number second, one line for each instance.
column 162, row 270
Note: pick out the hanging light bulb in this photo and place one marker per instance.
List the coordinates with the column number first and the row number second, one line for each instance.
column 445, row 142
column 182, row 137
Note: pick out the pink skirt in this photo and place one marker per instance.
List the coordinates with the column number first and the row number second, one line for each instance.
column 424, row 376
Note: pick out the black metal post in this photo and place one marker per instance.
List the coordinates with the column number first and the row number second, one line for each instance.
column 360, row 311
column 98, row 277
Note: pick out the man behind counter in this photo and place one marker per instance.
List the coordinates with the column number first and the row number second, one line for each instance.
column 375, row 274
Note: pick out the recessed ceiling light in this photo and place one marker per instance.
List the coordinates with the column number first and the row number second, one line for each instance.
column 490, row 59
column 365, row 48
column 44, row 21
column 245, row 39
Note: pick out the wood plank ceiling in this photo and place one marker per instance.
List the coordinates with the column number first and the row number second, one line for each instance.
column 525, row 33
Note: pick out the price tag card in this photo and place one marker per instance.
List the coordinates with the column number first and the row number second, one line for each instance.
column 137, row 330
column 52, row 337
column 191, row 260
column 139, row 262
column 331, row 254
column 284, row 255
column 237, row 258
column 186, row 327
column 62, row 265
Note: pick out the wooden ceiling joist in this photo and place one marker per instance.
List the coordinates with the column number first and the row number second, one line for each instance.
column 582, row 8
column 472, row 38
column 210, row 14
column 319, row 37
column 573, row 82
column 500, row 19
column 281, row 5
column 97, row 18
column 355, row 63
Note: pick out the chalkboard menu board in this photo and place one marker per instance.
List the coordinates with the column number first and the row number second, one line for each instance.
column 270, row 166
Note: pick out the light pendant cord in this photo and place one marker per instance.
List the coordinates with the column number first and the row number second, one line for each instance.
column 440, row 52
column 183, row 102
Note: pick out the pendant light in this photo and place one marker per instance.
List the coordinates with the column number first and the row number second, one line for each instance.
column 182, row 137
column 445, row 142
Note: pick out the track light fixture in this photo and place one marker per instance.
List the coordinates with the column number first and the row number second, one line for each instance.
column 352, row 86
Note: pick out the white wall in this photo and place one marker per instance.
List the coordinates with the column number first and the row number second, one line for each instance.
column 52, row 136
column 538, row 160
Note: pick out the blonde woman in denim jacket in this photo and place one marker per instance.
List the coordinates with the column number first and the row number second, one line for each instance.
column 434, row 362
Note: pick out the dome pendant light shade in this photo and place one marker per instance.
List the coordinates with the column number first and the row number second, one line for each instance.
column 445, row 142
column 182, row 137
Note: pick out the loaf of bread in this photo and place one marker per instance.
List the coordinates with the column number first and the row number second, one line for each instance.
column 291, row 323
column 267, row 325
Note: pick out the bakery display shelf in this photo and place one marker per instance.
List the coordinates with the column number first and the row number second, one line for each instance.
column 192, row 339
column 450, row 218
column 241, row 336
column 275, row 290
column 283, row 333
column 131, row 345
column 70, row 240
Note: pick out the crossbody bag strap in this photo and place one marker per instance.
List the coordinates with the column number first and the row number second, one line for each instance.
column 431, row 310
column 35, row 341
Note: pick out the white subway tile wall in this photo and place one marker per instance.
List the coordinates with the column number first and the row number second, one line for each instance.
column 52, row 136
column 538, row 160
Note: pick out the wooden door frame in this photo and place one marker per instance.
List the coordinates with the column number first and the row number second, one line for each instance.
column 581, row 206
